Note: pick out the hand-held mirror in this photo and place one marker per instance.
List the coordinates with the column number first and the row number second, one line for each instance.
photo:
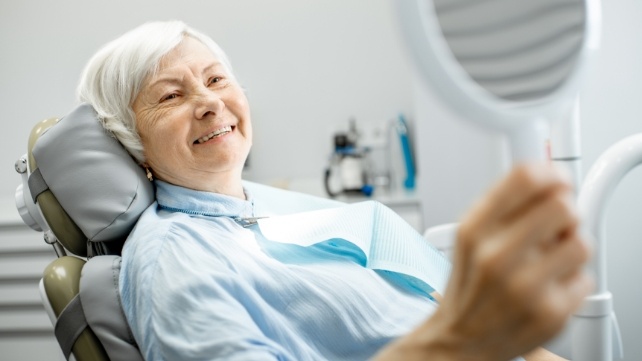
column 512, row 65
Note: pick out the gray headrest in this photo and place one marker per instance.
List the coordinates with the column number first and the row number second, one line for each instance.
column 92, row 176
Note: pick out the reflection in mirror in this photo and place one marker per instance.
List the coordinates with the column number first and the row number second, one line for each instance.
column 518, row 50
column 511, row 65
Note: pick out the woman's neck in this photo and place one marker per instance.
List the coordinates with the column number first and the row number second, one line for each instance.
column 233, row 190
column 223, row 183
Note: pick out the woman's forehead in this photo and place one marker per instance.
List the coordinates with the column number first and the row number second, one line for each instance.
column 188, row 52
column 194, row 57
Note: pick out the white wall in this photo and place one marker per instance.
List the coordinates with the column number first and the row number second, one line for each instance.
column 307, row 66
column 457, row 160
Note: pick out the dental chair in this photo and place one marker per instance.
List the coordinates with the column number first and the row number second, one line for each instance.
column 83, row 190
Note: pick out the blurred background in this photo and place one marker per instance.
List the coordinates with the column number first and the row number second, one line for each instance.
column 310, row 68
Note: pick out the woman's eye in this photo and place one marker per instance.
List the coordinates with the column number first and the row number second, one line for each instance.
column 215, row 79
column 169, row 97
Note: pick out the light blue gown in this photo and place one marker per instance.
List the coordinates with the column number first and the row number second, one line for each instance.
column 197, row 285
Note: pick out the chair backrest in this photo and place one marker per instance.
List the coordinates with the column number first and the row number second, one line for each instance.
column 89, row 189
column 90, row 193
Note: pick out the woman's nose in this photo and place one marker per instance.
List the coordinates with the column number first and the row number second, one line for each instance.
column 208, row 103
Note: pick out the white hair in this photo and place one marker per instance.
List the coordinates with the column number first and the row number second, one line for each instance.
column 113, row 77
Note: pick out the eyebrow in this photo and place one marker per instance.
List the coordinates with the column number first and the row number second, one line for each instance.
column 179, row 80
column 166, row 80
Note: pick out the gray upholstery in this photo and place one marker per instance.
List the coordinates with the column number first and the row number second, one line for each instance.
column 92, row 176
column 85, row 175
column 103, row 311
column 70, row 324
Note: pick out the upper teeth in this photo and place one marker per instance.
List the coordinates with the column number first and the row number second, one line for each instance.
column 215, row 133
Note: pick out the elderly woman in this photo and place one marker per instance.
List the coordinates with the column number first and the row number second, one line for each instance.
column 196, row 284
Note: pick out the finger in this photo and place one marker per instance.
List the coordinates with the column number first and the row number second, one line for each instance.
column 547, row 304
column 486, row 218
column 565, row 297
column 551, row 273
column 566, row 258
column 525, row 183
column 543, row 224
column 561, row 261
column 576, row 287
column 526, row 239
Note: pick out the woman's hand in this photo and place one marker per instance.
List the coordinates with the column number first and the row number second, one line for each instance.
column 517, row 273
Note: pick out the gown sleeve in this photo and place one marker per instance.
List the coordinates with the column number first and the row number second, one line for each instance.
column 188, row 303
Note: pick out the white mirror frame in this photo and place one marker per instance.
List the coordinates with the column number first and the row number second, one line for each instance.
column 439, row 68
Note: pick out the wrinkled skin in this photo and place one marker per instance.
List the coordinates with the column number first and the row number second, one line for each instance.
column 191, row 96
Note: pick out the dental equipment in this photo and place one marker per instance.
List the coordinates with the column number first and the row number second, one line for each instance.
column 514, row 66
column 596, row 319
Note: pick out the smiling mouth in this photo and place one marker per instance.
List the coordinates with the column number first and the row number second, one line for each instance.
column 214, row 134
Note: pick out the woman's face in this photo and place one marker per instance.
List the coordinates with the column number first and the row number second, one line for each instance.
column 194, row 120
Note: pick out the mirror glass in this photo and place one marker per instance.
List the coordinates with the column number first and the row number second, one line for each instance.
column 511, row 65
column 518, row 50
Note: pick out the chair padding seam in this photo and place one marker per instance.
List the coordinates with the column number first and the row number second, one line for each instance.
column 37, row 184
column 70, row 324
